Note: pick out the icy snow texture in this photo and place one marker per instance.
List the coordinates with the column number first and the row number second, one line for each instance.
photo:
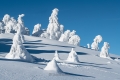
column 97, row 40
column 2, row 30
column 17, row 50
column 54, row 29
column 104, row 50
column 53, row 66
column 73, row 57
column 36, row 30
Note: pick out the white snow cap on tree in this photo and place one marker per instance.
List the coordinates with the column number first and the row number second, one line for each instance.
column 73, row 56
column 104, row 50
column 54, row 29
column 53, row 66
column 36, row 31
column 75, row 40
column 17, row 50
column 97, row 40
column 56, row 56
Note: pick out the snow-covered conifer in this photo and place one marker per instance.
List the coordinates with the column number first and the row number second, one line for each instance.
column 17, row 50
column 104, row 50
column 73, row 56
column 65, row 37
column 2, row 29
column 97, row 40
column 56, row 56
column 36, row 31
column 54, row 29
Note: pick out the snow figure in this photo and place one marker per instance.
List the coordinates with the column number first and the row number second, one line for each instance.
column 56, row 56
column 2, row 30
column 54, row 29
column 104, row 50
column 88, row 45
column 73, row 56
column 53, row 66
column 75, row 40
column 36, row 31
column 65, row 37
column 17, row 50
column 97, row 40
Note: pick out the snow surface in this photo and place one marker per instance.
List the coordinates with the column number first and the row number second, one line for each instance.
column 91, row 66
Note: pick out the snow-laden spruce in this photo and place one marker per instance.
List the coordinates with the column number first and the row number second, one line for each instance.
column 18, row 50
column 56, row 56
column 36, row 31
column 104, row 50
column 65, row 36
column 54, row 29
column 73, row 57
column 96, row 40
column 10, row 24
column 53, row 66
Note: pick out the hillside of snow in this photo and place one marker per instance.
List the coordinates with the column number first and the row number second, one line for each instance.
column 90, row 67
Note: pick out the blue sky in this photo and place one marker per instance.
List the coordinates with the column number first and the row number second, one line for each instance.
column 88, row 17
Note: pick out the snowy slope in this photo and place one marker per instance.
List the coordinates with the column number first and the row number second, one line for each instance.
column 91, row 66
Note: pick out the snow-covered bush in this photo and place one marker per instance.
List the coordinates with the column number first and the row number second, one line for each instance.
column 17, row 50
column 104, row 50
column 6, row 19
column 73, row 56
column 36, row 31
column 65, row 36
column 75, row 40
column 53, row 66
column 88, row 45
column 56, row 56
column 97, row 40
column 54, row 29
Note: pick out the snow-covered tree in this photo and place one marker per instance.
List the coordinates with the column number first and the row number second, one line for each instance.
column 17, row 50
column 75, row 40
column 65, row 36
column 56, row 56
column 2, row 29
column 73, row 56
column 104, row 50
column 88, row 45
column 6, row 19
column 97, row 40
column 36, row 31
column 53, row 66
column 54, row 29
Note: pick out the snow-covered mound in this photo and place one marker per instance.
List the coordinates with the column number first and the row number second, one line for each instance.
column 72, row 56
column 56, row 56
column 52, row 66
